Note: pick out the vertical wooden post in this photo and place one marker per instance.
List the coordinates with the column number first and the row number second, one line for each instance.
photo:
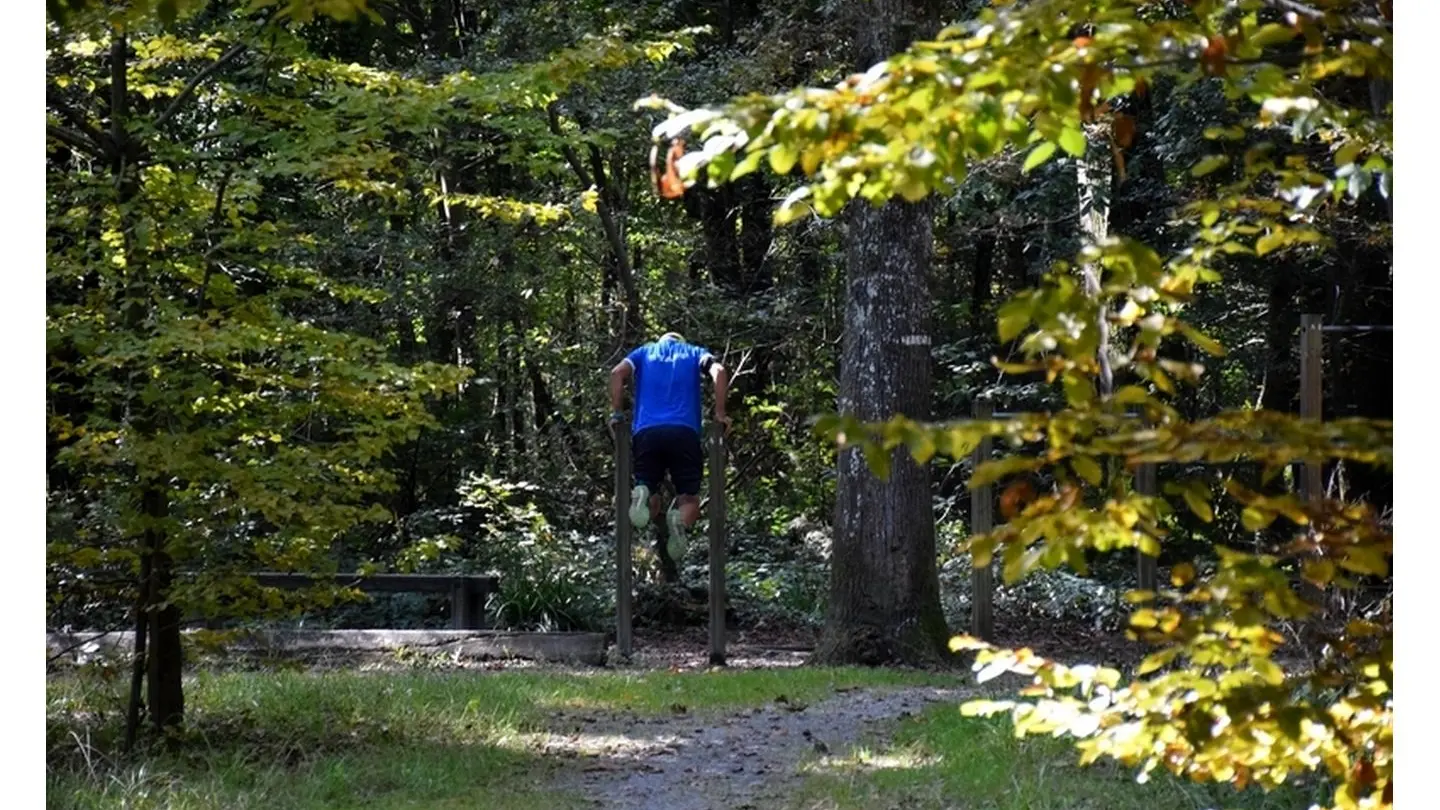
column 1145, row 484
column 1312, row 350
column 718, row 541
column 623, row 568
column 982, row 585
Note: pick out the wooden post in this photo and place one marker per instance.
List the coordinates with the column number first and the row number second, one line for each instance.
column 623, row 569
column 982, row 585
column 1145, row 484
column 1312, row 350
column 718, row 541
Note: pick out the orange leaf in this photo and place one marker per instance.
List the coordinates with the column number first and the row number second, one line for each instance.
column 1142, row 87
column 1014, row 498
column 1214, row 55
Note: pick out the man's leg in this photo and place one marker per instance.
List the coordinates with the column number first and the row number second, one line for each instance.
column 649, row 463
column 689, row 506
column 687, row 463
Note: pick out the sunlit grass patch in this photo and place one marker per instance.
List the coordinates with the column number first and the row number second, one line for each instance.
column 940, row 759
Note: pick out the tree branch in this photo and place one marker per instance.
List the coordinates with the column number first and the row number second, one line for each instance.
column 73, row 117
column 190, row 86
column 569, row 151
column 1317, row 15
column 74, row 140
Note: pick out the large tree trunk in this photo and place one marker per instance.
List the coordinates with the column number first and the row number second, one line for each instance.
column 884, row 590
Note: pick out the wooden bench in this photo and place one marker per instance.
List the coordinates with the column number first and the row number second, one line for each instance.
column 468, row 592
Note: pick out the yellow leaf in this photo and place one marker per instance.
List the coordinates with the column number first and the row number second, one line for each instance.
column 1270, row 242
column 1255, row 519
column 1157, row 660
column 1198, row 505
column 1182, row 574
column 1144, row 618
column 1269, row 670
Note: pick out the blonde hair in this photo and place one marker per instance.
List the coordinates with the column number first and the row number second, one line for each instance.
column 673, row 336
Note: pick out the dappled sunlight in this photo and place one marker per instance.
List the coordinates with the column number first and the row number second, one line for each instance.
column 864, row 760
column 611, row 745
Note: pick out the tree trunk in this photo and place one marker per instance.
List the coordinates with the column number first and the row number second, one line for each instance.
column 982, row 280
column 884, row 589
column 165, row 697
column 161, row 658
column 1092, row 179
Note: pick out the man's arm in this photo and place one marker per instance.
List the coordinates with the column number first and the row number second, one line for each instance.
column 618, row 376
column 721, row 378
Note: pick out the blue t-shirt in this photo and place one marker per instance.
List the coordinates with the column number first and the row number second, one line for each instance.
column 667, row 384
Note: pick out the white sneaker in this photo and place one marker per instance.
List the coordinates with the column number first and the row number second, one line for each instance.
column 676, row 544
column 640, row 506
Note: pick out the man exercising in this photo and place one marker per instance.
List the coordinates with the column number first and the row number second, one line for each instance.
column 666, row 428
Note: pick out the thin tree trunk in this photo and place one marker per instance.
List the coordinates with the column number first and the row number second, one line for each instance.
column 137, row 677
column 982, row 279
column 1093, row 179
column 165, row 697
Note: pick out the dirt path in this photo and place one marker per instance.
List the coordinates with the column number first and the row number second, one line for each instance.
column 742, row 760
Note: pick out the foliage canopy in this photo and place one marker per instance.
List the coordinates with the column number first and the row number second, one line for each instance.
column 1217, row 700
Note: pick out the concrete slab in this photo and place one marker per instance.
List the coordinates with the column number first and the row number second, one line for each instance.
column 583, row 648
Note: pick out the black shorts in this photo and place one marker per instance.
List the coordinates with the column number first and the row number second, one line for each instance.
column 669, row 448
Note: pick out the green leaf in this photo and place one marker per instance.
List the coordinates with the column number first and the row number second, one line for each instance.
column 1272, row 34
column 1041, row 153
column 1073, row 141
column 1130, row 395
column 1197, row 503
column 1346, row 154
column 922, row 445
column 783, row 157
column 911, row 187
column 1206, row 343
column 1012, row 318
column 747, row 164
column 1208, row 165
column 1088, row 469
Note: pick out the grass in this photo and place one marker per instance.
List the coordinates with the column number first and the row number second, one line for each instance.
column 941, row 759
column 379, row 740
column 456, row 739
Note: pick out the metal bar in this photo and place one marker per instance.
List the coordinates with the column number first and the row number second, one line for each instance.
column 1357, row 328
column 982, row 584
column 459, row 606
column 718, row 542
column 623, row 570
column 1311, row 392
column 386, row 583
column 1145, row 484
